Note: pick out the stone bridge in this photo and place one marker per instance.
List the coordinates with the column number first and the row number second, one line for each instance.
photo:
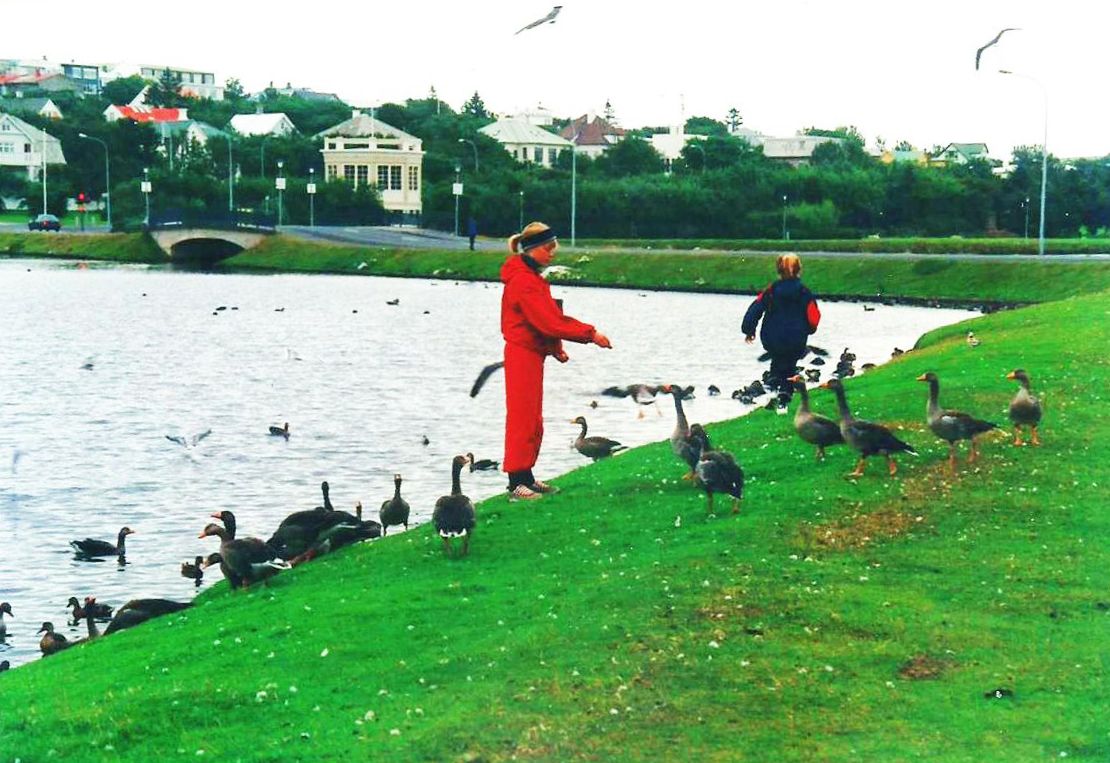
column 205, row 240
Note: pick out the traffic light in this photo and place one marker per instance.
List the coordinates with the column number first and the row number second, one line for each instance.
column 81, row 198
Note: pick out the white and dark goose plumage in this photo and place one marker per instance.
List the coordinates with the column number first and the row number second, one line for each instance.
column 952, row 426
column 718, row 472
column 5, row 609
column 139, row 611
column 90, row 547
column 594, row 448
column 866, row 437
column 1025, row 408
column 453, row 516
column 244, row 560
column 395, row 511
column 482, row 464
column 815, row 429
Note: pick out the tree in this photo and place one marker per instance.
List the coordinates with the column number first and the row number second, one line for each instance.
column 166, row 90
column 904, row 145
column 233, row 90
column 632, row 156
column 475, row 107
column 121, row 91
column 734, row 120
column 705, row 126
column 609, row 114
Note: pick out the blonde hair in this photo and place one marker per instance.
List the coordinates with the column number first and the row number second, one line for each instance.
column 788, row 265
column 530, row 229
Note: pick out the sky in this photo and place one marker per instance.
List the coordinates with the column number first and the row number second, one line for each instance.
column 895, row 70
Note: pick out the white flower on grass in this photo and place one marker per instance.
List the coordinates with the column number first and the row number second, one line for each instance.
column 259, row 696
column 324, row 653
column 714, row 645
column 395, row 732
column 369, row 715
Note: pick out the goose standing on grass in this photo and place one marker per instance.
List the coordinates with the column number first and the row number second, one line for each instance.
column 5, row 609
column 453, row 516
column 91, row 547
column 280, row 431
column 687, row 441
column 395, row 511
column 811, row 427
column 866, row 437
column 350, row 530
column 139, row 611
column 718, row 472
column 100, row 611
column 244, row 560
column 51, row 642
column 298, row 531
column 594, row 448
column 950, row 425
column 1025, row 408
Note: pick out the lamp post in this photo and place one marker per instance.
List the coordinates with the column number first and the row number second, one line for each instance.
column 574, row 187
column 146, row 188
column 1026, row 205
column 784, row 217
column 457, row 191
column 230, row 176
column 521, row 211
column 704, row 158
column 474, row 146
column 107, row 175
column 43, row 157
column 279, row 184
column 311, row 188
column 1044, row 154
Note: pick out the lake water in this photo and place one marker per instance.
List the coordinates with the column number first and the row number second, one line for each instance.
column 99, row 365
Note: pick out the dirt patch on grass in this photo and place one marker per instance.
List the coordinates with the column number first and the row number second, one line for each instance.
column 859, row 529
column 923, row 667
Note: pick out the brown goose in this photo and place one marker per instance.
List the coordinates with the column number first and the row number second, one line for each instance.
column 595, row 448
column 91, row 547
column 395, row 511
column 811, row 427
column 950, row 425
column 244, row 560
column 139, row 611
column 866, row 437
column 454, row 514
column 100, row 611
column 1025, row 408
column 687, row 441
column 51, row 642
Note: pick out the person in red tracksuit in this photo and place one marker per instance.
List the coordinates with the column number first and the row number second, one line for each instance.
column 534, row 327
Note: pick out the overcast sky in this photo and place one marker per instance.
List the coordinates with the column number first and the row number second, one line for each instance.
column 897, row 70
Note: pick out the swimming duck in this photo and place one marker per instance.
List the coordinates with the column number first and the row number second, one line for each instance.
column 244, row 560
column 195, row 570
column 139, row 611
column 93, row 548
column 864, row 436
column 5, row 609
column 395, row 511
column 687, row 441
column 51, row 642
column 972, row 340
column 481, row 465
column 100, row 611
column 454, row 514
column 595, row 448
column 811, row 427
column 1025, row 408
column 718, row 472
column 950, row 425
column 280, row 431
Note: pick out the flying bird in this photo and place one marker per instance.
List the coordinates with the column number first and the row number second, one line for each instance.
column 997, row 37
column 549, row 18
column 483, row 377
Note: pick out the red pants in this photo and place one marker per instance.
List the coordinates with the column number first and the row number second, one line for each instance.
column 523, row 408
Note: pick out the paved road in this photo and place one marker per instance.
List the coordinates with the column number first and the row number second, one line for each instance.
column 22, row 228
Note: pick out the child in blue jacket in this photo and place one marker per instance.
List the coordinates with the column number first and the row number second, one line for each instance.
column 790, row 314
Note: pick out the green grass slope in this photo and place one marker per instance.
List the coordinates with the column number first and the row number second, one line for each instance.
column 949, row 245
column 118, row 247
column 830, row 620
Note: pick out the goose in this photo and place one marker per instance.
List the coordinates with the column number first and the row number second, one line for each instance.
column 687, row 442
column 280, row 431
column 100, row 611
column 595, row 448
column 482, row 465
column 395, row 511
column 453, row 515
column 93, row 548
column 51, row 642
column 811, row 427
column 298, row 531
column 244, row 560
column 339, row 535
column 641, row 394
column 866, row 437
column 139, row 611
column 90, row 618
column 718, row 472
column 1025, row 408
column 950, row 425
column 5, row 609
column 5, row 665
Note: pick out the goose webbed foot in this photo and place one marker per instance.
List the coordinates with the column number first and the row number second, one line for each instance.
column 735, row 505
column 1017, row 437
column 1036, row 438
column 688, row 476
column 891, row 465
column 859, row 469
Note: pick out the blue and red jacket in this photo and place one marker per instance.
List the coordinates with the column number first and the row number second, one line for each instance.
column 790, row 314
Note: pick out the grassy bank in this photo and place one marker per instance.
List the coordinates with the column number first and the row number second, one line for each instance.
column 830, row 620
column 942, row 279
column 952, row 245
column 115, row 247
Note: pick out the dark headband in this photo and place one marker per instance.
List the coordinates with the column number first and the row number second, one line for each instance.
column 539, row 238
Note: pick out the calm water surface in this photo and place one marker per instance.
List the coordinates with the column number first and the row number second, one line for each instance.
column 83, row 450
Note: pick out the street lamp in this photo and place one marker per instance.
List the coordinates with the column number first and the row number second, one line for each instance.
column 457, row 191
column 704, row 158
column 43, row 157
column 107, row 175
column 146, row 188
column 311, row 188
column 1026, row 205
column 474, row 146
column 1044, row 154
column 784, row 217
column 574, row 185
column 279, row 184
column 230, row 176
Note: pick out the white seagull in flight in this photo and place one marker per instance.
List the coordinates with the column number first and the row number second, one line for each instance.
column 549, row 18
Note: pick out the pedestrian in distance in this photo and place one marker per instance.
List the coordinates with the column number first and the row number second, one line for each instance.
column 471, row 231
column 534, row 327
column 790, row 314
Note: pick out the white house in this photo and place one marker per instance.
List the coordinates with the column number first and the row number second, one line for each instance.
column 22, row 145
column 592, row 135
column 669, row 144
column 795, row 150
column 262, row 124
column 43, row 107
column 527, row 142
column 367, row 151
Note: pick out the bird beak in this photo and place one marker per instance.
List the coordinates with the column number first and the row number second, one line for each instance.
column 1010, row 375
column 215, row 516
column 922, row 378
column 203, row 535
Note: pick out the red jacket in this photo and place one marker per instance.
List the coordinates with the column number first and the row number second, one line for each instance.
column 529, row 316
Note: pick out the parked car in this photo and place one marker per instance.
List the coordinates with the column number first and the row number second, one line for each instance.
column 45, row 222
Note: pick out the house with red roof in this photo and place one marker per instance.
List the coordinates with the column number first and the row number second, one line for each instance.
column 592, row 135
column 145, row 114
